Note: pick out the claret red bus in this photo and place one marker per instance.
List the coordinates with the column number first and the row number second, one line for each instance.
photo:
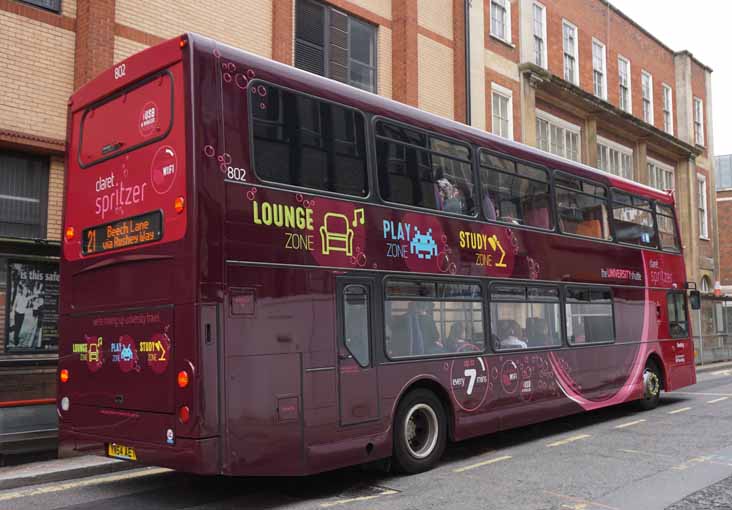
column 266, row 272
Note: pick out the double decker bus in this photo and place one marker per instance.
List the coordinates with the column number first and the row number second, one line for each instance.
column 266, row 272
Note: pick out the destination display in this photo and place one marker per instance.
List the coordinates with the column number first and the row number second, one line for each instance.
column 142, row 229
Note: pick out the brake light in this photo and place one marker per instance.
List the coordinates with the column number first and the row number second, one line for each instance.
column 70, row 233
column 63, row 375
column 179, row 204
column 184, row 414
column 182, row 379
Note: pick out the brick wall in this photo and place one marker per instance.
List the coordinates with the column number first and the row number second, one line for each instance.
column 724, row 216
column 55, row 198
column 36, row 76
column 435, row 77
column 243, row 26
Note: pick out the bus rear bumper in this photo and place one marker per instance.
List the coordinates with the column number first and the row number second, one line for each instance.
column 199, row 456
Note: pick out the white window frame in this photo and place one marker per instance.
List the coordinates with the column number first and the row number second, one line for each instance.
column 507, row 28
column 655, row 165
column 564, row 125
column 604, row 69
column 575, row 78
column 507, row 94
column 544, row 56
column 668, row 108
column 698, row 121
column 644, row 74
column 702, row 206
column 621, row 149
column 629, row 102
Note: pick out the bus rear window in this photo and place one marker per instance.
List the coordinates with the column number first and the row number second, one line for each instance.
column 138, row 115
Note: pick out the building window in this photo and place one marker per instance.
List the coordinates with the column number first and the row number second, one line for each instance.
column 49, row 5
column 723, row 165
column 421, row 170
column 625, row 100
column 702, row 199
column 614, row 158
column 425, row 318
column 698, row 121
column 502, row 109
column 661, row 176
column 331, row 43
column 599, row 65
column 300, row 140
column 501, row 19
column 706, row 285
column 557, row 136
column 668, row 110
column 647, row 94
column 23, row 195
column 540, row 57
column 569, row 37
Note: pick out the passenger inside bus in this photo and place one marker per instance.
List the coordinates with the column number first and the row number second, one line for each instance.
column 415, row 332
column 508, row 335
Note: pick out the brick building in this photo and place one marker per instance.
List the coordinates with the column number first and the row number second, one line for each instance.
column 574, row 77
column 723, row 165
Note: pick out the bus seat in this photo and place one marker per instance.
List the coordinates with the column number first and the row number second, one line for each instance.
column 590, row 228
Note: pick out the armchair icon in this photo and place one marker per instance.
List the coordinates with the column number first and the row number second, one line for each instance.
column 336, row 233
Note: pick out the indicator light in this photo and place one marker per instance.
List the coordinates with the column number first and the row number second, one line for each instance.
column 182, row 379
column 70, row 233
column 184, row 414
column 182, row 43
column 63, row 375
column 180, row 204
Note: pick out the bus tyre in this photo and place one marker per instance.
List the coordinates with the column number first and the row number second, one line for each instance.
column 651, row 387
column 420, row 432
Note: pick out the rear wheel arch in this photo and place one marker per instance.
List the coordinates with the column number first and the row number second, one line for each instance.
column 440, row 392
column 656, row 359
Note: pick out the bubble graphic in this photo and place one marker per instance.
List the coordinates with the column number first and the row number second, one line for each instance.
column 241, row 81
column 298, row 197
column 262, row 90
column 227, row 77
column 209, row 151
column 251, row 74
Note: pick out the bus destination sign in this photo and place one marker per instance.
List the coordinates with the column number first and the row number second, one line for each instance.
column 145, row 228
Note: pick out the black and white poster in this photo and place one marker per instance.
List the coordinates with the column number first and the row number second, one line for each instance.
column 31, row 317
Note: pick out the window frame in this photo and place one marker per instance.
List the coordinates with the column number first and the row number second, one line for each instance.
column 437, row 280
column 686, row 313
column 43, row 5
column 526, row 284
column 507, row 28
column 369, row 322
column 668, row 109
column 544, row 55
column 629, row 88
column 608, row 207
column 505, row 93
column 565, row 126
column 650, row 120
column 550, row 182
column 43, row 198
column 373, row 137
column 328, row 8
column 677, row 234
column 565, row 302
column 278, row 185
column 655, row 165
column 621, row 149
column 575, row 48
column 651, row 209
column 702, row 206
column 698, row 122
column 603, row 95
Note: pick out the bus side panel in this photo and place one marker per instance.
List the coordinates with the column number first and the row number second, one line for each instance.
column 264, row 398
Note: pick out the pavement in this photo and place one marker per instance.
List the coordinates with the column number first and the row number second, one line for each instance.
column 59, row 470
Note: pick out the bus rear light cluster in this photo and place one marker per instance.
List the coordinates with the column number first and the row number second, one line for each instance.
column 182, row 379
column 65, row 403
column 179, row 204
column 63, row 375
column 70, row 233
column 184, row 414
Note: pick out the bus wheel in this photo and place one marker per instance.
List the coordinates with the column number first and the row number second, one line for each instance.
column 420, row 432
column 651, row 387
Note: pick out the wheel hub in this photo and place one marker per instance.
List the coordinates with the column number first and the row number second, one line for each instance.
column 651, row 384
column 421, row 430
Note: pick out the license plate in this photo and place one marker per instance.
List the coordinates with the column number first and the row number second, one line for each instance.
column 121, row 451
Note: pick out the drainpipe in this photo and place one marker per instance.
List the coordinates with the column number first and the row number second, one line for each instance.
column 467, row 62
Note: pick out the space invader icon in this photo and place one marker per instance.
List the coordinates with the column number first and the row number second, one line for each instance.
column 423, row 245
